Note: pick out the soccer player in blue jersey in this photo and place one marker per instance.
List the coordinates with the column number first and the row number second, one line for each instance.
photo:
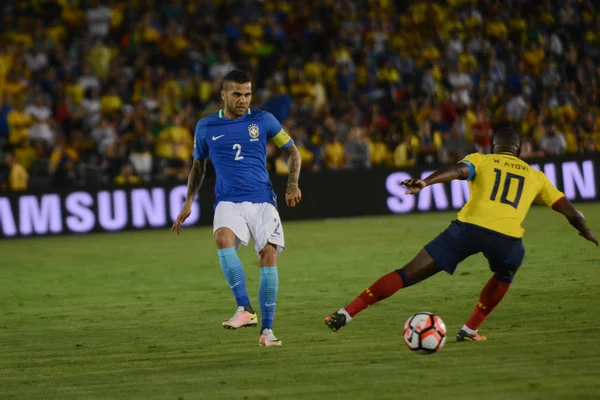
column 236, row 140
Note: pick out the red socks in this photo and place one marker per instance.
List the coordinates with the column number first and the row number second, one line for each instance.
column 490, row 297
column 383, row 288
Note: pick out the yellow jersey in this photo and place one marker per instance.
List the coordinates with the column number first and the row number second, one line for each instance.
column 18, row 178
column 503, row 187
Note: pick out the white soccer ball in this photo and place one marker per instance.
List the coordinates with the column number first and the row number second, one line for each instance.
column 425, row 333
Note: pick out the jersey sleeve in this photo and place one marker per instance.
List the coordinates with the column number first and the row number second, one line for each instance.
column 276, row 132
column 200, row 146
column 548, row 194
column 472, row 161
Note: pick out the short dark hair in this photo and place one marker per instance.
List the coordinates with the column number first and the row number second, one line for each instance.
column 507, row 137
column 237, row 76
column 507, row 133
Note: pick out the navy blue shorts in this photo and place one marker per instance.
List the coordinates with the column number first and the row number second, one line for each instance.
column 461, row 240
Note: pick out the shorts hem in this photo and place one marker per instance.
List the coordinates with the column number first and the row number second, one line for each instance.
column 450, row 269
column 239, row 240
column 259, row 245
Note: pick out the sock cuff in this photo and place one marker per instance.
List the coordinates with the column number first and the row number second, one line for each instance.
column 266, row 271
column 503, row 278
column 403, row 277
column 226, row 251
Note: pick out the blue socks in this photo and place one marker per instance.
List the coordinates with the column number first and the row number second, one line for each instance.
column 267, row 295
column 235, row 275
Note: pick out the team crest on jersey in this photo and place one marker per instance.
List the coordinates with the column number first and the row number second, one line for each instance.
column 253, row 132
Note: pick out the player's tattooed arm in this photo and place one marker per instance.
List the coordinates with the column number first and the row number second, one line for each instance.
column 195, row 179
column 447, row 174
column 293, row 195
column 194, row 184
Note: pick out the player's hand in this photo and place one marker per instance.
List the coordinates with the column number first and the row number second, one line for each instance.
column 589, row 235
column 293, row 195
column 183, row 215
column 414, row 185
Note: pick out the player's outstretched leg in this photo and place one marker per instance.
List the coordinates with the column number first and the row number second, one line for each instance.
column 418, row 269
column 491, row 295
column 267, row 294
column 236, row 277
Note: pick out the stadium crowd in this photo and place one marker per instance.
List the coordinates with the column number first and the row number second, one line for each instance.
column 98, row 92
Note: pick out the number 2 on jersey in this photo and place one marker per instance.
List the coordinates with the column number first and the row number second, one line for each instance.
column 238, row 147
column 507, row 182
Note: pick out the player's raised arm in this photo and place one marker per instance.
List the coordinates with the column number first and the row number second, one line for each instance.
column 459, row 171
column 575, row 218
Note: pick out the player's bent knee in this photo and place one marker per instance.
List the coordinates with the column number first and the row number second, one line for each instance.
column 224, row 238
column 267, row 257
column 505, row 275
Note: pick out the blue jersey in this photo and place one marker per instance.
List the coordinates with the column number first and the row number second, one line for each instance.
column 238, row 150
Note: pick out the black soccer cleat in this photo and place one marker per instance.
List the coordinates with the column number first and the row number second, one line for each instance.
column 463, row 336
column 335, row 321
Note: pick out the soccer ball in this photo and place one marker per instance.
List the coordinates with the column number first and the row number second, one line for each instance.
column 425, row 333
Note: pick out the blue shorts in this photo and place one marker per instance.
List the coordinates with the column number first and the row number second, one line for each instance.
column 461, row 240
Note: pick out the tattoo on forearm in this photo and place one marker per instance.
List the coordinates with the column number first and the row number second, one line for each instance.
column 195, row 179
column 294, row 165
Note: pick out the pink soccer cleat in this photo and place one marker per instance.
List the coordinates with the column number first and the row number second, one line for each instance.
column 267, row 338
column 241, row 319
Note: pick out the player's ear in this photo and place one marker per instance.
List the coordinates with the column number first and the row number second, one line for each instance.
column 222, row 94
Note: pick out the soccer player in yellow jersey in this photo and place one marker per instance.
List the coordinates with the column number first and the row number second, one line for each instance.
column 503, row 187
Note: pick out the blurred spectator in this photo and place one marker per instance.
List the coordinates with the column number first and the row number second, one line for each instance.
column 174, row 148
column 334, row 156
column 455, row 147
column 36, row 60
column 42, row 118
column 527, row 152
column 18, row 178
column 26, row 154
column 62, row 163
column 379, row 153
column 553, row 142
column 281, row 165
column 99, row 59
column 5, row 108
column 428, row 144
column 111, row 163
column 104, row 135
column 126, row 82
column 127, row 176
column 141, row 145
column 461, row 83
column 357, row 150
column 516, row 108
column 19, row 123
column 482, row 132
column 279, row 104
column 405, row 152
column 98, row 17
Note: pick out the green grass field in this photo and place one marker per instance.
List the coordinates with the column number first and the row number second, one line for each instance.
column 138, row 316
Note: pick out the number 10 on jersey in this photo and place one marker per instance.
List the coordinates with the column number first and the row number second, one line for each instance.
column 508, row 180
